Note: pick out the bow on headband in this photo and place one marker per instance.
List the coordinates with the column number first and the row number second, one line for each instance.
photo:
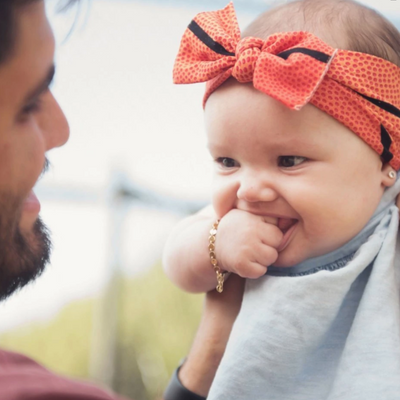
column 359, row 90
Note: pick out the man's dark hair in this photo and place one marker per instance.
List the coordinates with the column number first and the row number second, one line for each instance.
column 8, row 30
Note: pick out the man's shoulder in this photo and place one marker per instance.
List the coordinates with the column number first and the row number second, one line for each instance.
column 22, row 378
column 10, row 360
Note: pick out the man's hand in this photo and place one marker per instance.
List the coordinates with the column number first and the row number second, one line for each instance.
column 246, row 243
column 220, row 311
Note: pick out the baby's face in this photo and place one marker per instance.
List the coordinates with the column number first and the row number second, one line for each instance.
column 318, row 178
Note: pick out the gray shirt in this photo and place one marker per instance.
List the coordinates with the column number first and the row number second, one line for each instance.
column 327, row 329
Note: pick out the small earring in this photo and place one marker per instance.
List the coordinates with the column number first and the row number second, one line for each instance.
column 392, row 174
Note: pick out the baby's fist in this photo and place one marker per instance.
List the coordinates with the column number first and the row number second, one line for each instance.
column 246, row 243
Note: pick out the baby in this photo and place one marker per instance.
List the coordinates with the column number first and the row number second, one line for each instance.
column 304, row 129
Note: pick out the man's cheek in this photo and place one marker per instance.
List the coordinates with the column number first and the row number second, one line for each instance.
column 6, row 163
column 20, row 167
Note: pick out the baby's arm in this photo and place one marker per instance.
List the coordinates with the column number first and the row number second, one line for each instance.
column 246, row 244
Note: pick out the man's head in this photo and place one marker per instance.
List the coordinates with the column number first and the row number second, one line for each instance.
column 31, row 123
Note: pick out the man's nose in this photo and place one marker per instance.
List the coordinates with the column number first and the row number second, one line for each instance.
column 54, row 124
column 256, row 187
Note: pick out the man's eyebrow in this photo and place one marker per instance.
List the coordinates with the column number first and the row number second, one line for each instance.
column 42, row 86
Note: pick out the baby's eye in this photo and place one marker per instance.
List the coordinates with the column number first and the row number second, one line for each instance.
column 290, row 161
column 226, row 162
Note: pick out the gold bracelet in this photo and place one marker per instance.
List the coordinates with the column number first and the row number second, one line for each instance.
column 213, row 258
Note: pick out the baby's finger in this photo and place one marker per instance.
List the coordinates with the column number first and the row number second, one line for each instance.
column 270, row 235
column 265, row 255
column 252, row 270
column 270, row 220
column 255, row 270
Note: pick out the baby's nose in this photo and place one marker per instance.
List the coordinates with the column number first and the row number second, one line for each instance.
column 255, row 190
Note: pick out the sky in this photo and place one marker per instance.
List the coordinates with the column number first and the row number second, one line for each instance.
column 114, row 83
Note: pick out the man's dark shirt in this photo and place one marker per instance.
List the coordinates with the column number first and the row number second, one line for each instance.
column 23, row 379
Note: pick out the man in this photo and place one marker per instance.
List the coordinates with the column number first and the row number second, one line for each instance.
column 32, row 123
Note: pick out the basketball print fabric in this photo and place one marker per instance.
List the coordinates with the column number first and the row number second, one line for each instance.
column 359, row 90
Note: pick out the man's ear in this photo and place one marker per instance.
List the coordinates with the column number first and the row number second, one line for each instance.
column 389, row 175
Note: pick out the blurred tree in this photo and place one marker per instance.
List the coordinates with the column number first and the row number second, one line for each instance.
column 157, row 325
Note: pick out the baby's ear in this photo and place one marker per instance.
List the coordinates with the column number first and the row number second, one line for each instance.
column 389, row 175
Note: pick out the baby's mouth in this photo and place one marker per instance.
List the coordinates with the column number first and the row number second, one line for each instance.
column 284, row 224
column 287, row 226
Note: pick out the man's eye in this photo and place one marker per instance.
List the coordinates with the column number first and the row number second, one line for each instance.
column 226, row 162
column 29, row 110
column 32, row 107
column 290, row 161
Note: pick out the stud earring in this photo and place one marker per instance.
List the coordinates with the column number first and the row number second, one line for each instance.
column 392, row 174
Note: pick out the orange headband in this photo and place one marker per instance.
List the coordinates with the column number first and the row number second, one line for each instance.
column 359, row 90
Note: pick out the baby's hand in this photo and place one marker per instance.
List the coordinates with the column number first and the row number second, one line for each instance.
column 246, row 243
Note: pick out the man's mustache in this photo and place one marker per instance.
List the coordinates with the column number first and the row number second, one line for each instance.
column 46, row 167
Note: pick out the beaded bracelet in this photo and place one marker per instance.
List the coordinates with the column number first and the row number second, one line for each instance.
column 213, row 258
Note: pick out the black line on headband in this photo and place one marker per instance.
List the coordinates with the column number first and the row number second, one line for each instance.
column 207, row 40
column 386, row 142
column 312, row 53
column 382, row 104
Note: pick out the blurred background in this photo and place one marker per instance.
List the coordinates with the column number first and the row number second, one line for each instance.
column 135, row 164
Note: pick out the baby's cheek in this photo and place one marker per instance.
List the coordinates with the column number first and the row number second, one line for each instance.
column 331, row 228
column 319, row 218
column 218, row 204
column 223, row 198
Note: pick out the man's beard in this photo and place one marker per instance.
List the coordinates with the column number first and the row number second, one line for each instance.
column 23, row 255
